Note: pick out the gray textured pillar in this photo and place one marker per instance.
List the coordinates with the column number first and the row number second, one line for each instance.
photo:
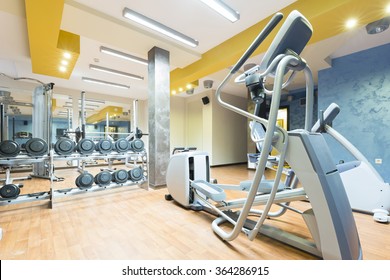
column 159, row 111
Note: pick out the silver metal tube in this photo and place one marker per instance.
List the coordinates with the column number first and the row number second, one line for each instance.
column 309, row 98
column 135, row 115
column 107, row 125
column 69, row 119
column 49, row 102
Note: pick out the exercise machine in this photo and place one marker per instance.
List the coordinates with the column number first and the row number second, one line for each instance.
column 367, row 191
column 330, row 219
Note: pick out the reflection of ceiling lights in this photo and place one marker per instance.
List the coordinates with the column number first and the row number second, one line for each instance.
column 115, row 72
column 123, row 55
column 223, row 9
column 378, row 26
column 159, row 27
column 101, row 82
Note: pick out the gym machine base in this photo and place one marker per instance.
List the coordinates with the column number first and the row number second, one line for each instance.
column 330, row 220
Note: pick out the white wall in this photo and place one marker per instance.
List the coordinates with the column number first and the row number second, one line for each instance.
column 210, row 127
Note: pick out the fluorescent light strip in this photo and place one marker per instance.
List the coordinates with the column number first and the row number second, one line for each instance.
column 115, row 72
column 156, row 26
column 100, row 82
column 123, row 55
column 223, row 9
column 88, row 105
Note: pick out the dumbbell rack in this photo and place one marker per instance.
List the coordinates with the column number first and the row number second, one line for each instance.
column 136, row 158
column 22, row 160
column 130, row 157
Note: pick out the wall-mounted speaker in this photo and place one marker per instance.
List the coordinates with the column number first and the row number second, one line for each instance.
column 25, row 122
column 205, row 100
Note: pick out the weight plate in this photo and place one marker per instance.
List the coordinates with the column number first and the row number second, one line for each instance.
column 103, row 178
column 122, row 145
column 104, row 146
column 64, row 146
column 86, row 146
column 84, row 181
column 36, row 147
column 9, row 191
column 136, row 174
column 9, row 148
column 137, row 145
column 120, row 176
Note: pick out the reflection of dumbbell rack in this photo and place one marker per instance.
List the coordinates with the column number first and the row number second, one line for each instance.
column 137, row 160
column 11, row 155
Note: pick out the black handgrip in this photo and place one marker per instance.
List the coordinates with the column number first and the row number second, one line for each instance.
column 259, row 39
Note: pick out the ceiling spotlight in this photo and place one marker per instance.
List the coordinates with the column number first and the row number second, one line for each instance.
column 159, row 27
column 123, row 55
column 351, row 23
column 223, row 9
column 115, row 72
column 190, row 91
column 90, row 80
column 208, row 83
column 378, row 26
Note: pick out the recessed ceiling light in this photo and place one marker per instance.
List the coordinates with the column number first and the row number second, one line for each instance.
column 388, row 9
column 351, row 23
column 67, row 55
column 159, row 27
column 64, row 62
column 62, row 68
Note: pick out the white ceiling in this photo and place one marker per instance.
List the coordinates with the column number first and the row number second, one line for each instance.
column 100, row 22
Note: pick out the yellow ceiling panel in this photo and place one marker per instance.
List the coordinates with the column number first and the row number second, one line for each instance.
column 53, row 52
column 112, row 111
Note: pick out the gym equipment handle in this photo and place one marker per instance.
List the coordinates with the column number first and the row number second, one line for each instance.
column 259, row 39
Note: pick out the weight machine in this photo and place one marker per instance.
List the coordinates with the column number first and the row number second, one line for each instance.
column 329, row 220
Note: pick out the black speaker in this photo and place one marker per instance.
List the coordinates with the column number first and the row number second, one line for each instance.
column 25, row 122
column 205, row 100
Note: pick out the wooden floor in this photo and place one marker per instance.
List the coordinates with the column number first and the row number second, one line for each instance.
column 134, row 223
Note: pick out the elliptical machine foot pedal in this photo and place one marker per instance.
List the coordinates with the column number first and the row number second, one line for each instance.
column 209, row 190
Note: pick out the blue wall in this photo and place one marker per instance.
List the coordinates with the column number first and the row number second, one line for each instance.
column 360, row 84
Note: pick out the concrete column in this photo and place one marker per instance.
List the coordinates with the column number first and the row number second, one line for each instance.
column 159, row 111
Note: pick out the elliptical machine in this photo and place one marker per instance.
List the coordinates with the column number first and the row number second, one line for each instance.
column 330, row 219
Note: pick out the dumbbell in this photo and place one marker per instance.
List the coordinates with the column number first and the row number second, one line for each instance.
column 137, row 145
column 104, row 146
column 84, row 180
column 120, row 176
column 103, row 178
column 64, row 146
column 10, row 191
column 36, row 147
column 136, row 174
column 9, row 148
column 122, row 145
column 85, row 146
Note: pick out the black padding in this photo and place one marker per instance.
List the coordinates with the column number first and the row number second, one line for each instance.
column 85, row 146
column 64, row 146
column 120, row 176
column 9, row 148
column 103, row 178
column 36, row 147
column 84, row 180
column 137, row 145
column 9, row 191
column 136, row 174
column 122, row 145
column 104, row 146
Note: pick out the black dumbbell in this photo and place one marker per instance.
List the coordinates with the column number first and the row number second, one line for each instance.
column 85, row 146
column 64, row 146
column 10, row 191
column 122, row 145
column 9, row 148
column 137, row 145
column 103, row 178
column 36, row 147
column 104, row 146
column 84, row 180
column 120, row 176
column 136, row 174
